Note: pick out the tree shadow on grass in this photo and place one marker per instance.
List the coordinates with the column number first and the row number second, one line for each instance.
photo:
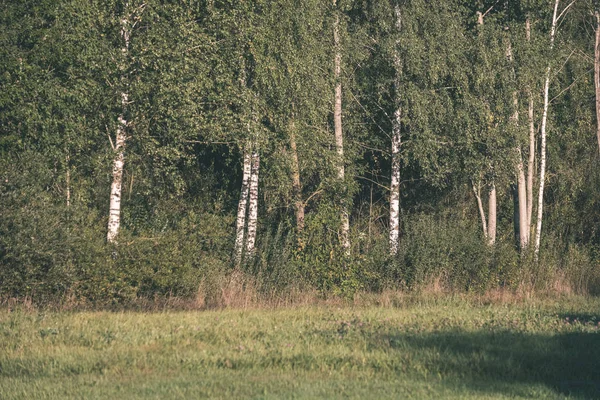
column 569, row 363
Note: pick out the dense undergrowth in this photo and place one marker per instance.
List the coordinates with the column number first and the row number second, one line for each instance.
column 51, row 261
column 52, row 254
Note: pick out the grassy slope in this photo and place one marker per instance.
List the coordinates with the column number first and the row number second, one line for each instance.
column 421, row 349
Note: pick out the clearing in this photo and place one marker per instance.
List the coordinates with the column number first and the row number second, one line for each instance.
column 418, row 348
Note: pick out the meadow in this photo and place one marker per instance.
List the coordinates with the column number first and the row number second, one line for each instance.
column 405, row 347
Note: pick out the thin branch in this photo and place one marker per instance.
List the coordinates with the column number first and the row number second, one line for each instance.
column 374, row 182
column 565, row 10
column 383, row 111
column 586, row 56
column 570, row 86
column 205, row 142
column 489, row 9
column 373, row 148
column 311, row 196
column 367, row 113
column 563, row 65
column 112, row 145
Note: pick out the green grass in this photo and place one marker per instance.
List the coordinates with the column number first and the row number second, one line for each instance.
column 420, row 349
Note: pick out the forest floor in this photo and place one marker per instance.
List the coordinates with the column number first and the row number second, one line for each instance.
column 428, row 347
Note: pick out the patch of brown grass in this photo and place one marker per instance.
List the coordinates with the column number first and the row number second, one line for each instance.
column 239, row 290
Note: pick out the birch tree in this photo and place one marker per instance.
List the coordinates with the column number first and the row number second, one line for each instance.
column 483, row 218
column 242, row 207
column 337, row 122
column 247, row 211
column 114, row 217
column 521, row 210
column 540, row 205
column 492, row 215
column 394, row 231
column 532, row 142
column 296, row 183
column 253, row 204
column 492, row 199
column 597, row 73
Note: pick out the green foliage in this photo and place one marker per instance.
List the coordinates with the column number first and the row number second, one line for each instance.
column 448, row 251
column 206, row 77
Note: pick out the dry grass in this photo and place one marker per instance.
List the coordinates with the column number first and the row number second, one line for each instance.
column 239, row 290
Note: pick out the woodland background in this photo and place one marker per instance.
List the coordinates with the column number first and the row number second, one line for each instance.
column 311, row 145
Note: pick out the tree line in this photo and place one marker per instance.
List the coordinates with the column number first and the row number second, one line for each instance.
column 149, row 146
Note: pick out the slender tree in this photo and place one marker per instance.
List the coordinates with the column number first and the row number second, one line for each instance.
column 492, row 215
column 522, row 203
column 296, row 183
column 253, row 204
column 242, row 207
column 337, row 122
column 114, row 217
column 492, row 196
column 477, row 193
column 521, row 190
column 396, row 142
column 532, row 146
column 597, row 74
column 540, row 205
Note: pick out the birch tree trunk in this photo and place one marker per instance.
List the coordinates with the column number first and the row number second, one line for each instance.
column 491, row 222
column 538, row 231
column 520, row 214
column 477, row 192
column 296, row 185
column 531, row 161
column 530, row 165
column 68, row 181
column 395, row 185
column 516, row 223
column 240, row 224
column 491, row 235
column 253, row 205
column 114, row 217
column 339, row 138
column 522, row 203
column 597, row 75
column 396, row 142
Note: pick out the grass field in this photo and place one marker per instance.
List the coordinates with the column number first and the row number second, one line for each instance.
column 418, row 348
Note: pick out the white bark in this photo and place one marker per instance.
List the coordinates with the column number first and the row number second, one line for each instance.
column 597, row 75
column 242, row 207
column 477, row 192
column 68, row 181
column 491, row 235
column 530, row 166
column 531, row 161
column 253, row 205
column 522, row 206
column 538, row 231
column 296, row 185
column 396, row 142
column 521, row 189
column 395, row 185
column 339, row 138
column 114, row 217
